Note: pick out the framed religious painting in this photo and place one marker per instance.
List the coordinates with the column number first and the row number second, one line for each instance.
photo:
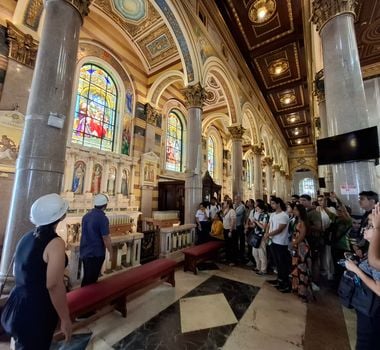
column 149, row 169
column 11, row 128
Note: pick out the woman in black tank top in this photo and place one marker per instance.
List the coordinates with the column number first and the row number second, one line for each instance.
column 38, row 299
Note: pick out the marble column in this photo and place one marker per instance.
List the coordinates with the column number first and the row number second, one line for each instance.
column 283, row 192
column 194, row 98
column 344, row 90
column 276, row 188
column 237, row 159
column 319, row 91
column 147, row 191
column 41, row 160
column 257, row 172
column 268, row 175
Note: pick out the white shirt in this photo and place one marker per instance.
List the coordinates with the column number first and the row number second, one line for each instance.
column 277, row 219
column 213, row 210
column 201, row 215
column 228, row 218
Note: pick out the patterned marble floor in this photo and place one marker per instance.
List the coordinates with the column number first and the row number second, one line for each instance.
column 230, row 308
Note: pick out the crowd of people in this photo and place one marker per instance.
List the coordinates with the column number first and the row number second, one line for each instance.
column 303, row 242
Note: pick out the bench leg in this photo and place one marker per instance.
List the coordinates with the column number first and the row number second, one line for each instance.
column 171, row 279
column 186, row 264
column 193, row 265
column 121, row 306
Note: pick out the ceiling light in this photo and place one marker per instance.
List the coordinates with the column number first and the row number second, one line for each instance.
column 299, row 141
column 292, row 119
column 287, row 100
column 296, row 132
column 262, row 12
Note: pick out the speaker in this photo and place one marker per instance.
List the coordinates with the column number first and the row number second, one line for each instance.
column 321, row 182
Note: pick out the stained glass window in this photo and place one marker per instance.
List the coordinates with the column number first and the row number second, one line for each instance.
column 95, row 109
column 211, row 156
column 174, row 136
column 307, row 186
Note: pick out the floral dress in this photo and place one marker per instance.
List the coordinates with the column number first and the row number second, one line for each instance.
column 301, row 263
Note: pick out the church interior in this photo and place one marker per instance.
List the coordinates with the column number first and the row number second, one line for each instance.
column 163, row 104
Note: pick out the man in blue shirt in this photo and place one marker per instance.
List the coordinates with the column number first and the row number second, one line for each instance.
column 95, row 239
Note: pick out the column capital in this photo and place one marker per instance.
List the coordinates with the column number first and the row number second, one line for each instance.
column 319, row 86
column 82, row 6
column 151, row 115
column 236, row 132
column 195, row 95
column 276, row 167
column 257, row 150
column 324, row 10
column 268, row 161
column 282, row 172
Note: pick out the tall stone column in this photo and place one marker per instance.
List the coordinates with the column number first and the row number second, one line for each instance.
column 147, row 191
column 237, row 159
column 345, row 99
column 257, row 172
column 276, row 169
column 319, row 91
column 194, row 98
column 268, row 174
column 41, row 161
column 283, row 185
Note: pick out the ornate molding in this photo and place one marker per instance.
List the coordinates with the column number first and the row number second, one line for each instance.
column 33, row 14
column 236, row 132
column 325, row 10
column 82, row 6
column 276, row 167
column 319, row 86
column 257, row 150
column 152, row 116
column 22, row 47
column 195, row 96
column 282, row 173
column 268, row 161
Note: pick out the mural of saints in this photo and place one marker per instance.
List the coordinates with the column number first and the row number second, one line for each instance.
column 111, row 182
column 78, row 178
column 96, row 178
column 124, row 183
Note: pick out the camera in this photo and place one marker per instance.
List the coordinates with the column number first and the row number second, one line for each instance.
column 342, row 262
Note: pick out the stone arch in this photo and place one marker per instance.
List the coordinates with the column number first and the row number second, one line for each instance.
column 211, row 119
column 181, row 30
column 215, row 134
column 265, row 138
column 247, row 110
column 216, row 68
column 161, row 84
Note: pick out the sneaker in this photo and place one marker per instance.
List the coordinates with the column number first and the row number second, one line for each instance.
column 273, row 282
column 315, row 287
column 261, row 273
column 249, row 263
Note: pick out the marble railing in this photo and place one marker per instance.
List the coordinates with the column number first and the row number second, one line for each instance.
column 126, row 254
column 173, row 239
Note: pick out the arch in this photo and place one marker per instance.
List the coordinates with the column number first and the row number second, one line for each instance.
column 248, row 110
column 161, row 83
column 180, row 28
column 218, row 170
column 215, row 67
column 265, row 138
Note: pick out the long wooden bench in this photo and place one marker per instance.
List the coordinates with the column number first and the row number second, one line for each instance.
column 115, row 289
column 195, row 255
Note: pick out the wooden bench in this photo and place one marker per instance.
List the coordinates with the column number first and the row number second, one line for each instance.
column 195, row 255
column 115, row 289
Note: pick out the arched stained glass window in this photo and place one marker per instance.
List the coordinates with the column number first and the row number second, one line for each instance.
column 307, row 186
column 174, row 138
column 211, row 156
column 95, row 109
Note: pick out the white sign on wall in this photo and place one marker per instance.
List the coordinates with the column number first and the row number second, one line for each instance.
column 348, row 189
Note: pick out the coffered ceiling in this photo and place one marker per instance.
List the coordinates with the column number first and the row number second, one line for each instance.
column 270, row 35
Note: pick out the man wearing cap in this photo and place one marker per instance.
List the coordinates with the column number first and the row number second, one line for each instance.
column 94, row 240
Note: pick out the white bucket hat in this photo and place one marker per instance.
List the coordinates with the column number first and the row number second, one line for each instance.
column 100, row 200
column 48, row 209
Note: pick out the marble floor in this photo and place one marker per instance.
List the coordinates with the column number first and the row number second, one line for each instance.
column 226, row 308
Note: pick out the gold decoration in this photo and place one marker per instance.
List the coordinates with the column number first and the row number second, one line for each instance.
column 282, row 173
column 82, row 6
column 324, row 10
column 33, row 14
column 22, row 47
column 319, row 86
column 257, row 150
column 236, row 132
column 276, row 167
column 195, row 96
column 287, row 99
column 152, row 116
column 268, row 161
column 261, row 11
column 278, row 67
